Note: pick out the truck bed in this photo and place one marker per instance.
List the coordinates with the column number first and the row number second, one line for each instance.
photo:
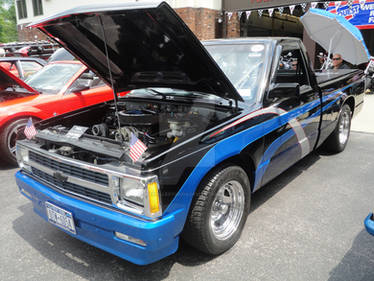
column 330, row 75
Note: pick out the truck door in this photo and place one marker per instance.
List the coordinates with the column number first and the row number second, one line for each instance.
column 296, row 132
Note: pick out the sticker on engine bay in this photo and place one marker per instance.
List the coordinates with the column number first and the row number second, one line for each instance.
column 76, row 132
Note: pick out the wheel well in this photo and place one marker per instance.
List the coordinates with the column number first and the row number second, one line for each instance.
column 17, row 118
column 351, row 102
column 242, row 160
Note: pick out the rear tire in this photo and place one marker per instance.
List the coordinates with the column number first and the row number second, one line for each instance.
column 8, row 136
column 218, row 211
column 338, row 140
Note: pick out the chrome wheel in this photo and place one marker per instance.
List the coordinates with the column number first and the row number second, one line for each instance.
column 344, row 126
column 218, row 210
column 227, row 210
column 12, row 138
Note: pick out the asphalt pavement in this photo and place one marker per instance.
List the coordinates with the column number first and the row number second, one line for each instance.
column 305, row 225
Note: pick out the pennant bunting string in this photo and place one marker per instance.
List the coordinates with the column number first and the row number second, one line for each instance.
column 271, row 11
column 292, row 8
column 229, row 15
column 248, row 14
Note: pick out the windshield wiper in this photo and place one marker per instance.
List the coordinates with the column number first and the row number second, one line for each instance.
column 179, row 94
column 157, row 93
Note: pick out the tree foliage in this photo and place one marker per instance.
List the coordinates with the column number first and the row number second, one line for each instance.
column 8, row 21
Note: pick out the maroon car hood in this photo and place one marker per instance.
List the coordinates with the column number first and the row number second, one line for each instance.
column 8, row 80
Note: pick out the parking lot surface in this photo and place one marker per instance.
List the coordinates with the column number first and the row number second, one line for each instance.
column 307, row 224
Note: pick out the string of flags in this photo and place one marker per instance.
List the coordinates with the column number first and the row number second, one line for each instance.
column 292, row 8
column 280, row 10
column 303, row 6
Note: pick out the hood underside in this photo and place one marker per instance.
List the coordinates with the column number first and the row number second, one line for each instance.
column 148, row 45
column 8, row 80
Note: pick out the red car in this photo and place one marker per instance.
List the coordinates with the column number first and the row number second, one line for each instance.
column 22, row 67
column 58, row 88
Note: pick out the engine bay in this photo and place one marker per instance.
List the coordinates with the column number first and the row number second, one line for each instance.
column 154, row 124
column 106, row 137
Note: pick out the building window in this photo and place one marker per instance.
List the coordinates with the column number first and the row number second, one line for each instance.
column 38, row 7
column 21, row 7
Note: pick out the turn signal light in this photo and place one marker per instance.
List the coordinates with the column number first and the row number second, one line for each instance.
column 130, row 239
column 154, row 200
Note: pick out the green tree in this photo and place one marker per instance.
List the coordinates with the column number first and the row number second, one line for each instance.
column 8, row 21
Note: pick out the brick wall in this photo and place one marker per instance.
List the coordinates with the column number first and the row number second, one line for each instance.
column 233, row 26
column 203, row 22
column 26, row 34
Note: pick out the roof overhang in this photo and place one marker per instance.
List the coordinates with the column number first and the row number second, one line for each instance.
column 242, row 5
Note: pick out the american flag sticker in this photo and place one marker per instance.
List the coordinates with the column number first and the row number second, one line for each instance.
column 30, row 130
column 137, row 148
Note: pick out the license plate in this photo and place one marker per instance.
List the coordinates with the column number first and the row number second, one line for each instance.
column 60, row 217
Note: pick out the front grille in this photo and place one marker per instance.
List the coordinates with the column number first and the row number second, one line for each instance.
column 71, row 187
column 70, row 170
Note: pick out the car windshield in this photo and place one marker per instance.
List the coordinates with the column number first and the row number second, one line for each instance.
column 243, row 66
column 53, row 77
column 61, row 54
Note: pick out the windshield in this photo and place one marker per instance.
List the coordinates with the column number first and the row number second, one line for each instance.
column 61, row 54
column 243, row 65
column 53, row 77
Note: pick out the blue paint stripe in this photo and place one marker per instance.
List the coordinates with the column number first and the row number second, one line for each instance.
column 268, row 155
column 229, row 147
column 273, row 148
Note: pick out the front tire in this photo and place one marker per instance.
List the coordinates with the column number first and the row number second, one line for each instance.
column 8, row 137
column 218, row 211
column 338, row 140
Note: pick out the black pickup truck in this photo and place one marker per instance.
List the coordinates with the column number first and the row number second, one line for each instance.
column 204, row 125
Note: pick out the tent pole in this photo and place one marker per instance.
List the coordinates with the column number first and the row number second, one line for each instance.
column 329, row 52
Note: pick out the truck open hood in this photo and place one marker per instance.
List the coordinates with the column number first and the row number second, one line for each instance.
column 8, row 80
column 148, row 46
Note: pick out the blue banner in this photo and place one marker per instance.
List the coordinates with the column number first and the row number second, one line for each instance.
column 360, row 13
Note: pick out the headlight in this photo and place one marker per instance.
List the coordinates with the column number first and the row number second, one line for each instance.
column 132, row 190
column 140, row 195
column 23, row 157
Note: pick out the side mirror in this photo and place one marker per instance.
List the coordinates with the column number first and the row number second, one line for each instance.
column 88, row 75
column 284, row 90
column 96, row 81
column 78, row 87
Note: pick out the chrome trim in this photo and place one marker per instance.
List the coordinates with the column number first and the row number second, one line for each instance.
column 71, row 179
column 59, row 189
column 344, row 127
column 110, row 189
column 227, row 210
column 90, row 201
